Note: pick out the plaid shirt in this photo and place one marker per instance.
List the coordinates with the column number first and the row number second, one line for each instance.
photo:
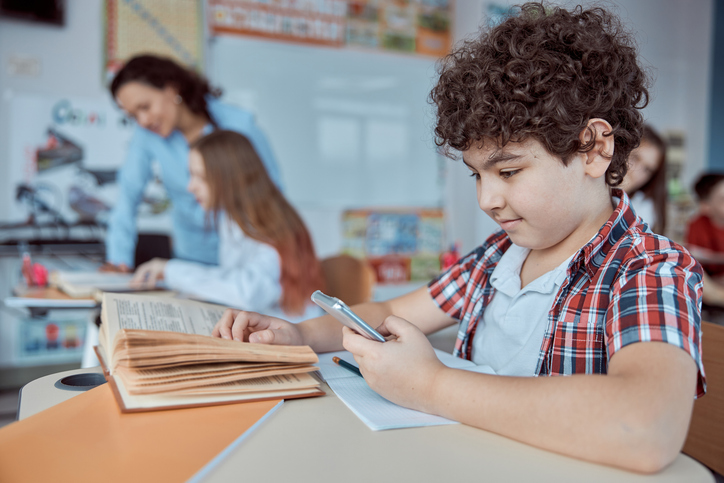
column 626, row 285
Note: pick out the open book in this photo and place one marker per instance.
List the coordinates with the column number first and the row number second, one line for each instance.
column 157, row 353
column 90, row 284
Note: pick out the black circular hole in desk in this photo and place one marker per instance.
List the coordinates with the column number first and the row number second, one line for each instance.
column 80, row 382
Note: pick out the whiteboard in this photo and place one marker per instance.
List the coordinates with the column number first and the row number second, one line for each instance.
column 350, row 128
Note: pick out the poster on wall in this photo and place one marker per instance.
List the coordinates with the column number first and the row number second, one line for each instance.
column 171, row 28
column 320, row 22
column 64, row 157
column 411, row 26
column 402, row 245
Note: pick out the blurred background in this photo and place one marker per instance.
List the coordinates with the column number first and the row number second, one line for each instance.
column 340, row 88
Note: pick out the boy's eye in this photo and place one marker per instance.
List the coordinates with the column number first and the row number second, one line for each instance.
column 475, row 175
column 508, row 174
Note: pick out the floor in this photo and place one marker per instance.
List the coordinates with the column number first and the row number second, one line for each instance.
column 8, row 405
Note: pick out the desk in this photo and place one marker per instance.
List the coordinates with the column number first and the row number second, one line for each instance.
column 320, row 440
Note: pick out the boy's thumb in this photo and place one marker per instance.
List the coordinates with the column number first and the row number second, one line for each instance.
column 396, row 325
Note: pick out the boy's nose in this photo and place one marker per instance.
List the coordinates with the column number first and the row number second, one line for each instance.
column 489, row 198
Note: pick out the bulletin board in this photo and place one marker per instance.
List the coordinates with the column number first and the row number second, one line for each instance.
column 410, row 26
column 171, row 28
column 401, row 244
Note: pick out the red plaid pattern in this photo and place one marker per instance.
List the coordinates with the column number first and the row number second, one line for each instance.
column 626, row 285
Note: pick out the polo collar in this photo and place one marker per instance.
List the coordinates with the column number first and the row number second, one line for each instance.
column 593, row 254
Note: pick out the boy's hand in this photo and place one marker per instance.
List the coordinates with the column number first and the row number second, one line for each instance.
column 402, row 370
column 148, row 274
column 253, row 327
column 109, row 267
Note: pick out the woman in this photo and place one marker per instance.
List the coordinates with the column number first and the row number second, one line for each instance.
column 266, row 260
column 173, row 106
column 645, row 181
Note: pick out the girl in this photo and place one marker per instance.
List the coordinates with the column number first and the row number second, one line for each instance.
column 172, row 106
column 266, row 258
column 645, row 181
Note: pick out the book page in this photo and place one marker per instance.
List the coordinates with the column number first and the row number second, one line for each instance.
column 159, row 313
column 130, row 311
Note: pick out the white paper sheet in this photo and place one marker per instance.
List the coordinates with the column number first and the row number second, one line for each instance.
column 375, row 411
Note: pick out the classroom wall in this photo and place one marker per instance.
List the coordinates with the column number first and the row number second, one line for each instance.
column 716, row 126
column 674, row 38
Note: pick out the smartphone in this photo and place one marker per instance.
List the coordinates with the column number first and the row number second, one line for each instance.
column 339, row 310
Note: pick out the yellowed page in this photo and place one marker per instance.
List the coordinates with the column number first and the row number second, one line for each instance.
column 175, row 385
column 151, row 401
column 139, row 348
column 132, row 311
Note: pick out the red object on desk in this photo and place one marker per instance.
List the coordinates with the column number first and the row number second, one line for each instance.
column 35, row 274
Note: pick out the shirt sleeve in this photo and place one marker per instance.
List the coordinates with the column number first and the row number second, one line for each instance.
column 448, row 289
column 132, row 179
column 252, row 283
column 658, row 298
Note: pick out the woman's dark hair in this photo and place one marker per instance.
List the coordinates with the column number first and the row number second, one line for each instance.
column 543, row 73
column 655, row 188
column 160, row 72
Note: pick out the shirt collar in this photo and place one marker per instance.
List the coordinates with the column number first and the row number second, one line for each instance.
column 621, row 220
column 506, row 274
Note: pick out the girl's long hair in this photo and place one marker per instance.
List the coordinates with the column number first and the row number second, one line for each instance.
column 655, row 189
column 160, row 72
column 240, row 185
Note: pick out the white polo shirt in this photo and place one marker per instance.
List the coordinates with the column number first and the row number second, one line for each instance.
column 508, row 339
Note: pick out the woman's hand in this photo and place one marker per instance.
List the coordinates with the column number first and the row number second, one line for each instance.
column 402, row 370
column 148, row 274
column 253, row 327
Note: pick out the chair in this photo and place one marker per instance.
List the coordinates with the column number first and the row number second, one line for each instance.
column 705, row 441
column 348, row 278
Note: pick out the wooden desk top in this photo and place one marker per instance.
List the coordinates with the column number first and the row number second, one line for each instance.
column 321, row 440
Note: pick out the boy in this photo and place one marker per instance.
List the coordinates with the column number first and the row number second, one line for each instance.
column 544, row 108
column 705, row 233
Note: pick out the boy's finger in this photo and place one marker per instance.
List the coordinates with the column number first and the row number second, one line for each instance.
column 269, row 336
column 394, row 325
column 355, row 343
column 223, row 326
column 241, row 323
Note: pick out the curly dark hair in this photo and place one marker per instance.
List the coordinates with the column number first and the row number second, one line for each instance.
column 160, row 72
column 544, row 72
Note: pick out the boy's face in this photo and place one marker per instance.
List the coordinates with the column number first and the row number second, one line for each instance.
column 713, row 207
column 534, row 197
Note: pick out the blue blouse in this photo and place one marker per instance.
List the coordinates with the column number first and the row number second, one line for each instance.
column 192, row 239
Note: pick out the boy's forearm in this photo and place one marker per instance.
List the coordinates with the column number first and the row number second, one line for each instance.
column 625, row 420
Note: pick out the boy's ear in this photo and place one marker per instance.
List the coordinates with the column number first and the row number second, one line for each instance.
column 599, row 157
